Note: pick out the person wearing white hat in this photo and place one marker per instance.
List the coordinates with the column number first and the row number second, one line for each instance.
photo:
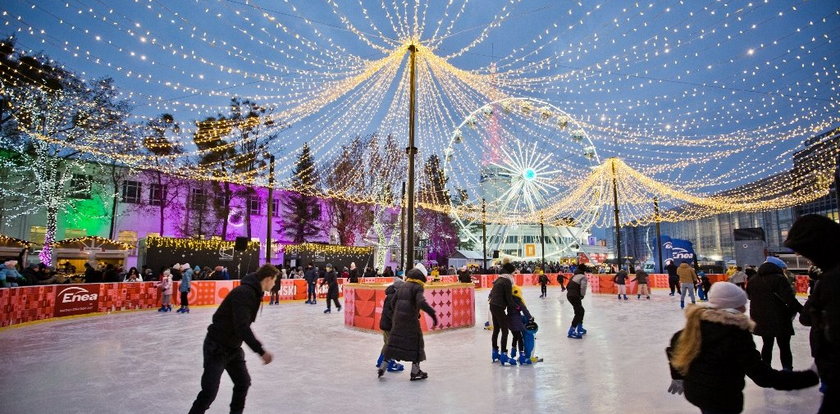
column 710, row 357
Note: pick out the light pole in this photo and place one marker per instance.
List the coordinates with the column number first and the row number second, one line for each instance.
column 411, row 151
column 270, row 211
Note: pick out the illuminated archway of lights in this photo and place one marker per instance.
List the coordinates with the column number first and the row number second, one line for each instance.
column 706, row 97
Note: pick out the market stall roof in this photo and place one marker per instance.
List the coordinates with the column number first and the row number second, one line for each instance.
column 6, row 241
column 92, row 242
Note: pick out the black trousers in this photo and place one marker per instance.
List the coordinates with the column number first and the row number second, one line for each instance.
column 784, row 350
column 218, row 359
column 518, row 342
column 674, row 283
column 579, row 311
column 333, row 299
column 500, row 324
column 543, row 290
column 185, row 300
column 310, row 292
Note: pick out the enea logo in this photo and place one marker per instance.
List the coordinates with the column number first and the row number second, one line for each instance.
column 76, row 294
column 680, row 253
column 668, row 245
column 76, row 299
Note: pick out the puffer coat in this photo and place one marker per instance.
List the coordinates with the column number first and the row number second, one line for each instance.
column 406, row 339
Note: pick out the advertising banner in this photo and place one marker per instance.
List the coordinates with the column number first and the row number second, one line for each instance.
column 76, row 299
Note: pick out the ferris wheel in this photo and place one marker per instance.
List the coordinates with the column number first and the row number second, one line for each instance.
column 517, row 157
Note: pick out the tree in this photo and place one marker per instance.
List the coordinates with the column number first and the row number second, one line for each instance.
column 216, row 156
column 435, row 224
column 167, row 189
column 384, row 166
column 348, row 218
column 47, row 112
column 302, row 218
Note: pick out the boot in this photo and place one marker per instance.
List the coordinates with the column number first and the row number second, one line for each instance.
column 524, row 360
column 504, row 358
column 379, row 360
column 393, row 366
column 180, row 310
column 307, row 302
column 169, row 308
column 625, row 297
column 380, row 370
column 496, row 356
column 619, row 297
column 420, row 375
column 327, row 311
column 580, row 330
column 573, row 333
column 639, row 296
column 186, row 310
column 648, row 298
column 162, row 308
column 682, row 304
column 338, row 308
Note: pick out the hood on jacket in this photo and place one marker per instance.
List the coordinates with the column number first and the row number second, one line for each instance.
column 684, row 264
column 251, row 280
column 816, row 237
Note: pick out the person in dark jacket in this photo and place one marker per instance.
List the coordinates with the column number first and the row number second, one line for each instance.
column 817, row 237
column 331, row 280
column 464, row 275
column 673, row 278
column 773, row 306
column 111, row 274
column 386, row 323
column 641, row 280
column 711, row 355
column 311, row 277
column 620, row 280
column 92, row 275
column 405, row 342
column 543, row 282
column 517, row 327
column 223, row 343
column 354, row 273
column 561, row 280
column 575, row 291
column 501, row 298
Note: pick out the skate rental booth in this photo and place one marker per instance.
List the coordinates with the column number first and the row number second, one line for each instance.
column 454, row 304
column 90, row 249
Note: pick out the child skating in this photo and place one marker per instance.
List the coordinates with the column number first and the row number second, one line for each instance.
column 575, row 291
column 165, row 286
column 620, row 280
column 543, row 282
column 517, row 327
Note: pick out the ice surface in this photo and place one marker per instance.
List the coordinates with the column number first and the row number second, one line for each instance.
column 147, row 362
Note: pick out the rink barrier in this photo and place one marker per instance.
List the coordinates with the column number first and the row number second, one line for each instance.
column 25, row 304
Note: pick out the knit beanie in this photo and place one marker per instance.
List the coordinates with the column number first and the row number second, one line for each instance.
column 776, row 261
column 422, row 269
column 725, row 295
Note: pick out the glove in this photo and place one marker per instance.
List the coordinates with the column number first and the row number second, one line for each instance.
column 676, row 387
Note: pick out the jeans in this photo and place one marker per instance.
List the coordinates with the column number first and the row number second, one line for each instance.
column 784, row 350
column 579, row 311
column 687, row 287
column 500, row 324
column 310, row 292
column 218, row 359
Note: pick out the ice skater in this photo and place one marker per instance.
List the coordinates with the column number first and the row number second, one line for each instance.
column 165, row 285
column 711, row 355
column 223, row 344
column 311, row 277
column 673, row 278
column 501, row 299
column 688, row 279
column 620, row 280
column 575, row 291
column 739, row 278
column 773, row 306
column 641, row 280
column 543, row 282
column 405, row 342
column 184, row 287
column 561, row 280
column 517, row 317
column 331, row 280
column 386, row 322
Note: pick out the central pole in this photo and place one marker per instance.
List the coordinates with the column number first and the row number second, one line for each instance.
column 615, row 210
column 484, row 233
column 270, row 212
column 542, row 243
column 658, row 234
column 402, row 229
column 412, row 151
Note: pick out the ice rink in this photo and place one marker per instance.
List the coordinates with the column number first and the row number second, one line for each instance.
column 149, row 362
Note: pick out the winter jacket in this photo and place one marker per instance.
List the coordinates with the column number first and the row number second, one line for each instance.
column 641, row 277
column 354, row 276
column 464, row 277
column 232, row 320
column 738, row 277
column 576, row 288
column 310, row 275
column 331, row 280
column 772, row 302
column 405, row 342
column 186, row 280
column 515, row 316
column 544, row 280
column 715, row 379
column 672, row 271
column 165, row 285
column 386, row 322
column 502, row 292
column 686, row 274
column 8, row 275
column 620, row 278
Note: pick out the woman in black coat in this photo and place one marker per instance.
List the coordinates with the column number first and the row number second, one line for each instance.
column 773, row 306
column 405, row 342
column 331, row 280
column 711, row 355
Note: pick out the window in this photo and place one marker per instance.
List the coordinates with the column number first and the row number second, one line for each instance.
column 223, row 199
column 80, row 186
column 529, row 239
column 37, row 234
column 254, row 205
column 511, row 239
column 157, row 194
column 74, row 233
column 131, row 191
column 198, row 198
column 275, row 207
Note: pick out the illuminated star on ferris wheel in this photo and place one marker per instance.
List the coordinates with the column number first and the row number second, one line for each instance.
column 530, row 177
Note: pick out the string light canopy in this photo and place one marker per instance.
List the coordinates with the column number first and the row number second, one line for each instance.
column 707, row 98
